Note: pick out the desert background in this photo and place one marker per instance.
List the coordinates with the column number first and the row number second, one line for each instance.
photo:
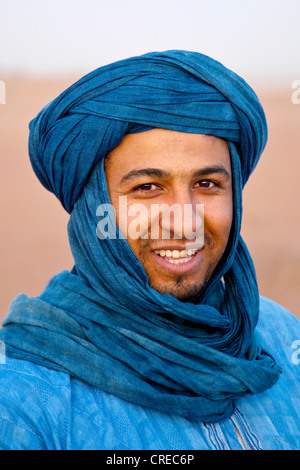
column 46, row 46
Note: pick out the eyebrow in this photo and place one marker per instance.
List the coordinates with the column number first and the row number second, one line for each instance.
column 212, row 170
column 158, row 173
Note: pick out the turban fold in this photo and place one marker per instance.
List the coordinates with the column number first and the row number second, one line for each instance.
column 102, row 322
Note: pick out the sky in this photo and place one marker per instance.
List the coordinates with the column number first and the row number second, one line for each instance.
column 258, row 39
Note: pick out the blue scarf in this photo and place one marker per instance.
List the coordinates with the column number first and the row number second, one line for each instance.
column 102, row 323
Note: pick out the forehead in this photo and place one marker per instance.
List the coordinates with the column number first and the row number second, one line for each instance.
column 169, row 150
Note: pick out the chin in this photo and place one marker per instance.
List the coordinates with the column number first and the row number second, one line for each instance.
column 181, row 289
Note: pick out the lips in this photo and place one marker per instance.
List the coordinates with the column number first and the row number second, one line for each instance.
column 178, row 260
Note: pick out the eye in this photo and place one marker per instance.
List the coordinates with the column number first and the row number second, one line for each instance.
column 147, row 187
column 206, row 184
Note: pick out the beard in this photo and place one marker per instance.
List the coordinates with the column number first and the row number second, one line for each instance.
column 180, row 286
column 182, row 289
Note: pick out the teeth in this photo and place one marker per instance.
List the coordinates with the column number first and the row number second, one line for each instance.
column 187, row 254
column 180, row 261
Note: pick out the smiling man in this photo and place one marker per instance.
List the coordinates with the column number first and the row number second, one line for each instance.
column 186, row 170
column 157, row 338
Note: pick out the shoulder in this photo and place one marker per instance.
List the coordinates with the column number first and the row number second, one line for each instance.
column 33, row 406
column 273, row 316
column 278, row 331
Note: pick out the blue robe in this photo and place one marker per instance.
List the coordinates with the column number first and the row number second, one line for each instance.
column 44, row 409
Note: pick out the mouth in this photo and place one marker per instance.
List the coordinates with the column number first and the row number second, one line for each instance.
column 176, row 256
column 178, row 261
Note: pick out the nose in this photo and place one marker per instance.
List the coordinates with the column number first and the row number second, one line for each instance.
column 181, row 218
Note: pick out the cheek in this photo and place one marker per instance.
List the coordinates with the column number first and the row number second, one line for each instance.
column 135, row 246
column 226, row 218
column 218, row 220
column 134, row 221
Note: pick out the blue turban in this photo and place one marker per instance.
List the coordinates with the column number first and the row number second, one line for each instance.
column 177, row 90
column 102, row 322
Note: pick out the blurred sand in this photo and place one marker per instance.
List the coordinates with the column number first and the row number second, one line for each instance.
column 34, row 244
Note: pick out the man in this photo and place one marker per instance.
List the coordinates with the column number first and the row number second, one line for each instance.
column 158, row 338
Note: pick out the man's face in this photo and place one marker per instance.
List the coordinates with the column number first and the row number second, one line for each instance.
column 169, row 167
